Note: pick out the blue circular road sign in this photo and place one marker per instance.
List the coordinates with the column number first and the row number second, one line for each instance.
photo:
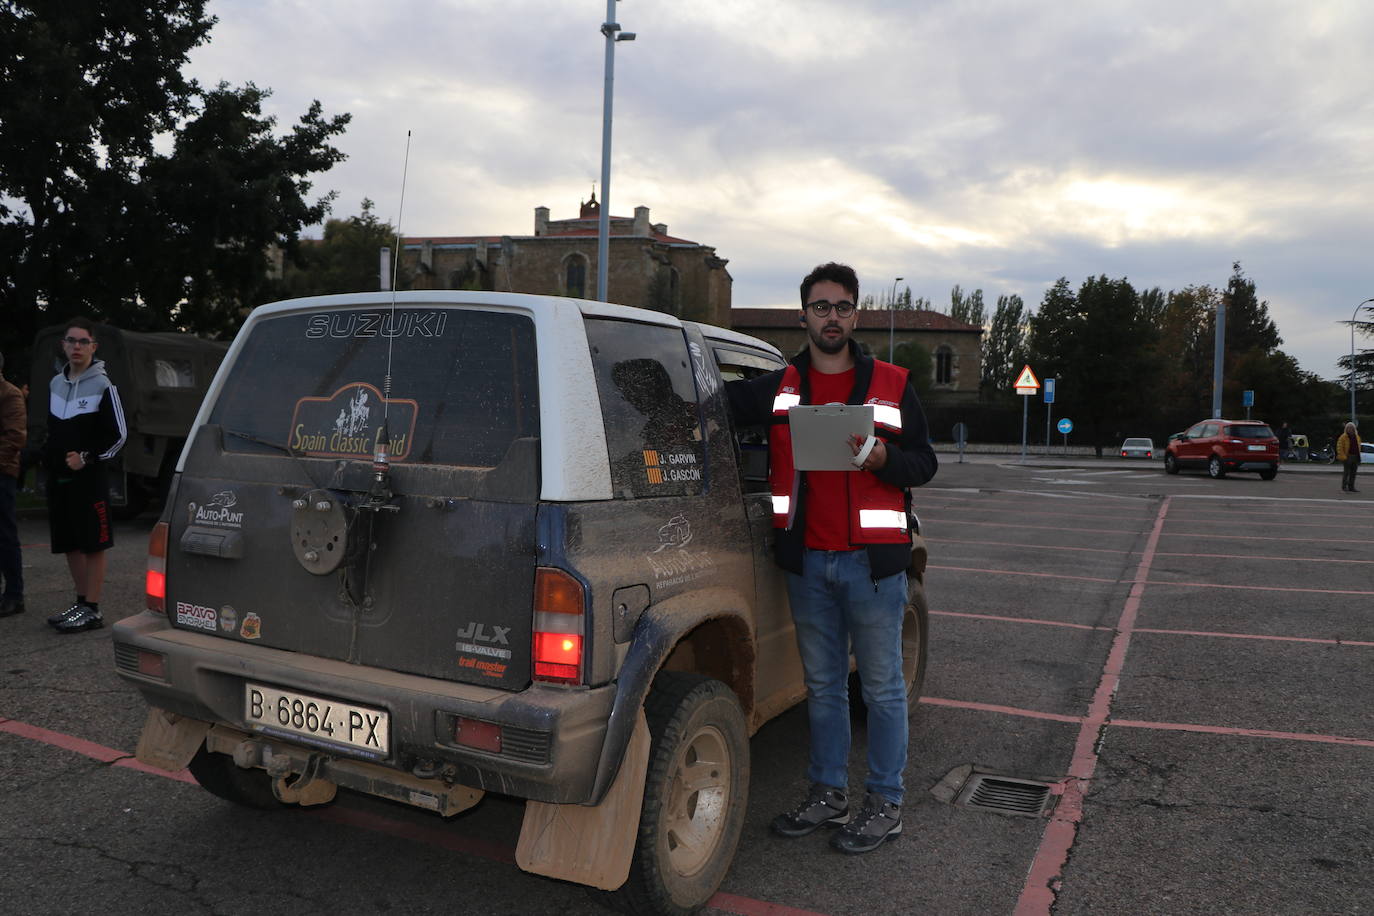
column 1065, row 426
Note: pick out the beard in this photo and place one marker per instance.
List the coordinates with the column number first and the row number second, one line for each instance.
column 828, row 345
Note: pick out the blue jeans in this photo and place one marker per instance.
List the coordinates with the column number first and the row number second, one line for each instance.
column 835, row 603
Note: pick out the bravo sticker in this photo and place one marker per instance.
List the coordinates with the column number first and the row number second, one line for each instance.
column 195, row 615
column 346, row 424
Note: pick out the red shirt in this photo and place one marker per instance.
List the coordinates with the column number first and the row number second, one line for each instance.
column 827, row 492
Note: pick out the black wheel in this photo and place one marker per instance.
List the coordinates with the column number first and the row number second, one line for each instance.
column 695, row 794
column 1170, row 463
column 219, row 775
column 1215, row 469
column 1269, row 473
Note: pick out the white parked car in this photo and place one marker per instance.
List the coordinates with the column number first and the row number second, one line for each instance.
column 1367, row 453
column 1138, row 448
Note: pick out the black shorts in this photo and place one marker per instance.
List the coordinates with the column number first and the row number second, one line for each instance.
column 79, row 511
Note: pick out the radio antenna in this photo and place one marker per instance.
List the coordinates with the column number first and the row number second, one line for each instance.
column 381, row 460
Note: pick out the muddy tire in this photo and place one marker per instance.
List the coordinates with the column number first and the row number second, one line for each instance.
column 695, row 794
column 219, row 775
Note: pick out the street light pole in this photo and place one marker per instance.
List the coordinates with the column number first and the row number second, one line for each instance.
column 1352, row 357
column 892, row 318
column 611, row 29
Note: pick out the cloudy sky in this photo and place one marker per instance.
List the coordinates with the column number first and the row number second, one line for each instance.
column 995, row 144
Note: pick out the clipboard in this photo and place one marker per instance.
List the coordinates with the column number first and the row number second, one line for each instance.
column 820, row 434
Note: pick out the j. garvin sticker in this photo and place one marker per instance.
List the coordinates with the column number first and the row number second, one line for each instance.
column 346, row 424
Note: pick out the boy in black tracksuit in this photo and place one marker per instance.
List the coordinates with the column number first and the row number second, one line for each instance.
column 85, row 429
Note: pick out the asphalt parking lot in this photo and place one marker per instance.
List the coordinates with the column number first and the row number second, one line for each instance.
column 1180, row 665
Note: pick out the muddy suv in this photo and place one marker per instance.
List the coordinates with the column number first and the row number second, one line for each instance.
column 553, row 582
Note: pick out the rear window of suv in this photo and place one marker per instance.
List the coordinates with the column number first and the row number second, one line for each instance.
column 464, row 385
column 1250, row 432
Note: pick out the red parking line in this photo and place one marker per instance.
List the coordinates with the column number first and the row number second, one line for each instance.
column 1004, row 710
column 1243, row 732
column 1328, row 642
column 1047, row 869
column 87, row 749
column 1016, row 572
column 1251, row 556
column 729, row 903
column 1006, row 525
column 945, row 540
column 1220, row 536
column 1286, row 524
column 1262, row 588
column 1035, row 620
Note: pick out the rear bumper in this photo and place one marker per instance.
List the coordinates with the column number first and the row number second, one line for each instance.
column 552, row 737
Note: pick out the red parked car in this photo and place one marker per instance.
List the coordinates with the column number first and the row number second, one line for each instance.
column 1225, row 445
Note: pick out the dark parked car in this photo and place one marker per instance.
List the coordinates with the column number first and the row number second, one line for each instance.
column 1219, row 446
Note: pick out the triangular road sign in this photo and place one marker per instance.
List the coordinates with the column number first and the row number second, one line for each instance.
column 1027, row 381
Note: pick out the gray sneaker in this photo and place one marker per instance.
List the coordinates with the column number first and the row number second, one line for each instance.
column 878, row 821
column 85, row 618
column 824, row 807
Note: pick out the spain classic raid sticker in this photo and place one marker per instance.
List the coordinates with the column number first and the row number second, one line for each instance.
column 346, row 424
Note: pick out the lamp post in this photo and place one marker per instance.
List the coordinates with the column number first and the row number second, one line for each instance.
column 1352, row 357
column 611, row 29
column 892, row 318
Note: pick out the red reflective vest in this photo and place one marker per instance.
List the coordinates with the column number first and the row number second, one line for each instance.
column 877, row 511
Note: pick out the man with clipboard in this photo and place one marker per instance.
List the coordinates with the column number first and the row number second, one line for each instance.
column 843, row 539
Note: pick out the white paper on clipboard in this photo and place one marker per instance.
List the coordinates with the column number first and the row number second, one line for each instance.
column 820, row 434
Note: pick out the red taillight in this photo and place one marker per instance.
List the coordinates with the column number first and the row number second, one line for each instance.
column 1123, row 453
column 156, row 582
column 558, row 605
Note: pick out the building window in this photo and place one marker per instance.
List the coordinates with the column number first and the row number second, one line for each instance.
column 575, row 276
column 944, row 366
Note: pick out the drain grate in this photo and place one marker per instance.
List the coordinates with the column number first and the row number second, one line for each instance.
column 1005, row 795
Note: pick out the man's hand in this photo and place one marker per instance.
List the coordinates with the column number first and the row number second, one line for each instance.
column 74, row 461
column 876, row 458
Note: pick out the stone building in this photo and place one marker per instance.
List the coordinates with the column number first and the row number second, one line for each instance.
column 955, row 347
column 649, row 267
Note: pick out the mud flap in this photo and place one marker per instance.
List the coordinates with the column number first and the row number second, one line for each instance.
column 589, row 845
column 169, row 741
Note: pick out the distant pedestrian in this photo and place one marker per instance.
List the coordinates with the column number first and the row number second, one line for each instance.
column 85, row 430
column 1285, row 442
column 1348, row 454
column 13, row 433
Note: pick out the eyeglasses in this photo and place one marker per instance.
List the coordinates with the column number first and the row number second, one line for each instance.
column 844, row 308
column 79, row 341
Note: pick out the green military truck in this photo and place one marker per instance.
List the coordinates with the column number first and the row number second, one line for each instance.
column 161, row 379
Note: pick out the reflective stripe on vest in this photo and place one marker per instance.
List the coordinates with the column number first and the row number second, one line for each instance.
column 882, row 518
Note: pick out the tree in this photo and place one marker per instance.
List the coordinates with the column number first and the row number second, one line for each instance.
column 346, row 260
column 969, row 309
column 126, row 190
column 1096, row 342
column 916, row 359
column 1004, row 347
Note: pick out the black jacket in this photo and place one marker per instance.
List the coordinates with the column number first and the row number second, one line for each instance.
column 910, row 460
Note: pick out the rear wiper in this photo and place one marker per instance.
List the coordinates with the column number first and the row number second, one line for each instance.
column 240, row 434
